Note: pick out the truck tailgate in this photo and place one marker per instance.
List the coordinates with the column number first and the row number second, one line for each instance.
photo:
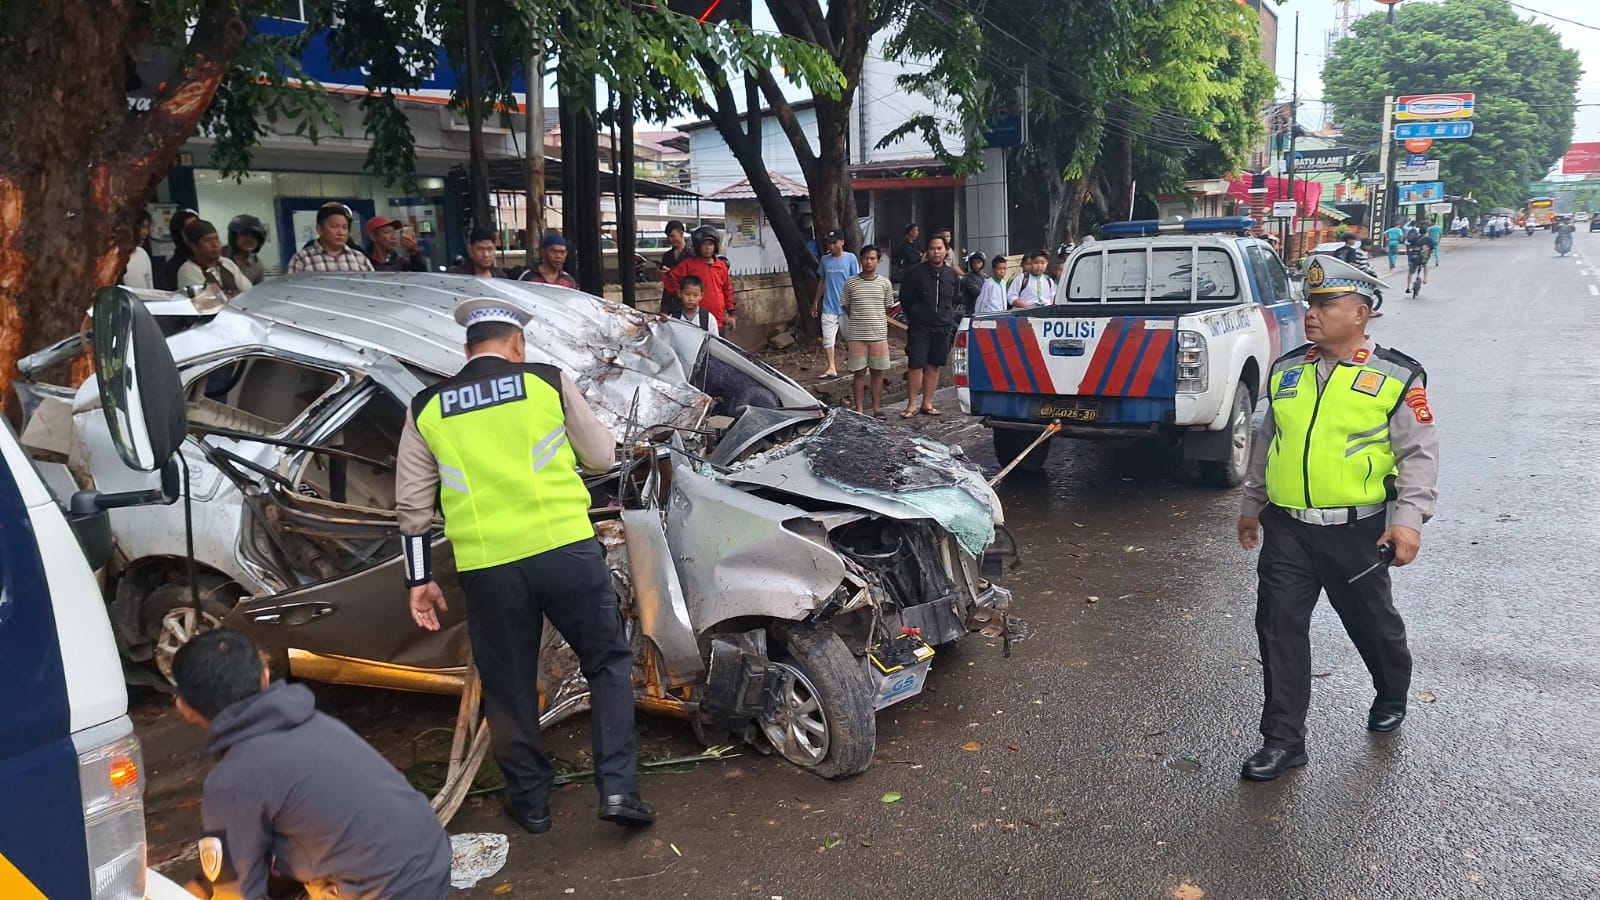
column 1119, row 356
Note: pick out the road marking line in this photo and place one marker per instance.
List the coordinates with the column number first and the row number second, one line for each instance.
column 1594, row 290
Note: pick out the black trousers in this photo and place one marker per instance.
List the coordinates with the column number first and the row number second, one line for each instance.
column 1298, row 562
column 506, row 608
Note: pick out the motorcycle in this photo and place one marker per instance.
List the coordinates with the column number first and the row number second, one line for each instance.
column 1530, row 229
column 1563, row 244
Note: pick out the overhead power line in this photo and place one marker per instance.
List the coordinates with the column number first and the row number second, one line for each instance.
column 1540, row 12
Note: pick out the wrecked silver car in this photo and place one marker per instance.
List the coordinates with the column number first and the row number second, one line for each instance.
column 787, row 570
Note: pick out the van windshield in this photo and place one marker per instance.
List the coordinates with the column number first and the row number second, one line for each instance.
column 1172, row 273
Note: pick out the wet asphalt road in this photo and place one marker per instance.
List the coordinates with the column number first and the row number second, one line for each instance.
column 1110, row 741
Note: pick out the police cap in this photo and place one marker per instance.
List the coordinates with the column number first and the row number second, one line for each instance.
column 490, row 309
column 1330, row 277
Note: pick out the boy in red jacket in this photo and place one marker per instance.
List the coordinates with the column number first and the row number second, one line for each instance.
column 713, row 273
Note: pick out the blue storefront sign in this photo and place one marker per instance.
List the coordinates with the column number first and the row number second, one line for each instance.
column 1406, row 131
column 1421, row 192
column 316, row 63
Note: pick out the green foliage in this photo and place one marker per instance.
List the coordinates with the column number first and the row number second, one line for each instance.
column 1523, row 77
column 1182, row 81
column 638, row 48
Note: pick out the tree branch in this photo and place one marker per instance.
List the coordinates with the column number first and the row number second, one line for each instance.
column 786, row 118
column 218, row 34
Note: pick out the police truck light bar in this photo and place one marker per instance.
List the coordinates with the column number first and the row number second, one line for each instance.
column 1152, row 227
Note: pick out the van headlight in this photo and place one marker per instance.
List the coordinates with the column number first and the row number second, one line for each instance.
column 111, row 781
column 1194, row 370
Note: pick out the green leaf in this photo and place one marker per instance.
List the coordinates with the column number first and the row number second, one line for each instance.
column 891, row 797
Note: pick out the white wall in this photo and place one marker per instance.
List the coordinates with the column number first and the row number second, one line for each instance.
column 882, row 106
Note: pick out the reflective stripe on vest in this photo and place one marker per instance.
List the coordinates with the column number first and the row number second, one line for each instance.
column 1332, row 447
column 509, row 479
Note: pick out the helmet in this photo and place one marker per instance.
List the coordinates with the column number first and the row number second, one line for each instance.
column 246, row 224
column 707, row 233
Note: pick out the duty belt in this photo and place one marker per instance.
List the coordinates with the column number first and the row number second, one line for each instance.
column 1344, row 515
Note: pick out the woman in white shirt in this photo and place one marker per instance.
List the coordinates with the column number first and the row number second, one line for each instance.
column 139, row 273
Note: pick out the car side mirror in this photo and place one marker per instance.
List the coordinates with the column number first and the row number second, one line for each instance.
column 140, row 390
column 141, row 396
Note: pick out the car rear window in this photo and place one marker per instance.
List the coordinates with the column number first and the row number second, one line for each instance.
column 1170, row 272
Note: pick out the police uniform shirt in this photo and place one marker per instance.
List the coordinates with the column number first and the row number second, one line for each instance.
column 417, row 469
column 1411, row 434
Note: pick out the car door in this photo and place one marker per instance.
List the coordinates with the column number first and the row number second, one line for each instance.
column 1284, row 313
column 354, row 606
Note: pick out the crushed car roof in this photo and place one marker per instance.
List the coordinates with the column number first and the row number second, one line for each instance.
column 610, row 350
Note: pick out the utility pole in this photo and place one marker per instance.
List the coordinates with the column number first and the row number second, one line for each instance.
column 478, row 163
column 1386, row 161
column 1294, row 129
column 534, row 78
column 627, row 204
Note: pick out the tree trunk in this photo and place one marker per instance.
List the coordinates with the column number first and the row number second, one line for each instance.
column 833, row 198
column 77, row 165
column 1077, row 193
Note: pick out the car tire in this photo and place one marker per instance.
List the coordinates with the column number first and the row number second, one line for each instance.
column 1008, row 442
column 1231, row 472
column 825, row 722
column 167, row 619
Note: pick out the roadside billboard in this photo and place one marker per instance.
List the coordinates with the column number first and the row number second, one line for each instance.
column 1582, row 159
column 1433, row 106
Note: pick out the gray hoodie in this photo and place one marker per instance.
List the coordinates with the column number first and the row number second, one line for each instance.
column 298, row 791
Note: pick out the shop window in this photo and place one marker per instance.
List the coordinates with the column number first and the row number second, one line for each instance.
column 257, row 394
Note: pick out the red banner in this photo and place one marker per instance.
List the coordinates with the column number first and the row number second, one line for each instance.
column 1582, row 159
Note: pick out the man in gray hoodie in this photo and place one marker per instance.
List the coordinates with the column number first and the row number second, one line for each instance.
column 297, row 793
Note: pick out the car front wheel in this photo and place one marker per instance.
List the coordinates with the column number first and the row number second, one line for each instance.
column 824, row 721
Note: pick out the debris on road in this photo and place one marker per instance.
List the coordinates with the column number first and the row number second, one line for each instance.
column 476, row 856
column 1428, row 697
column 891, row 797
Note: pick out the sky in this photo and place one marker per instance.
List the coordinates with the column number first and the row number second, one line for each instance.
column 1317, row 17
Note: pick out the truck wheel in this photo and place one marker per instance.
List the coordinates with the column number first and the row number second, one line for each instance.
column 824, row 722
column 1230, row 472
column 1008, row 442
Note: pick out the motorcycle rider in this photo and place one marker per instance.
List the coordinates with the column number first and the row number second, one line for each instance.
column 246, row 235
column 1419, row 247
column 1564, row 230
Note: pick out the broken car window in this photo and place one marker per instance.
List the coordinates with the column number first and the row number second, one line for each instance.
column 257, row 394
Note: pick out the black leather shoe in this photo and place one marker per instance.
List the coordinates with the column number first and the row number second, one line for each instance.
column 1381, row 719
column 1270, row 762
column 533, row 819
column 627, row 810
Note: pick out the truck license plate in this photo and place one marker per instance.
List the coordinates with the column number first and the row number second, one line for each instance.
column 1061, row 347
column 1069, row 410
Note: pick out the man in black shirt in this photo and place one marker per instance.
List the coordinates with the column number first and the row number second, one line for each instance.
column 907, row 254
column 678, row 251
column 931, row 299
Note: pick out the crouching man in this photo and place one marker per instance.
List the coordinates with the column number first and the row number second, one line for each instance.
column 296, row 800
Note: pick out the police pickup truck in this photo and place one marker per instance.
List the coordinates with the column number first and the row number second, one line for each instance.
column 72, row 824
column 1163, row 329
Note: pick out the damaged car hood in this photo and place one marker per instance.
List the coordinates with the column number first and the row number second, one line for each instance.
column 859, row 461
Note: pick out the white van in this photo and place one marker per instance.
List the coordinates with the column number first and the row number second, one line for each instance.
column 72, row 825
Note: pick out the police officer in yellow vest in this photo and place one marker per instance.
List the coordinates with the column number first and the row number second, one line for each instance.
column 1346, row 461
column 499, row 445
